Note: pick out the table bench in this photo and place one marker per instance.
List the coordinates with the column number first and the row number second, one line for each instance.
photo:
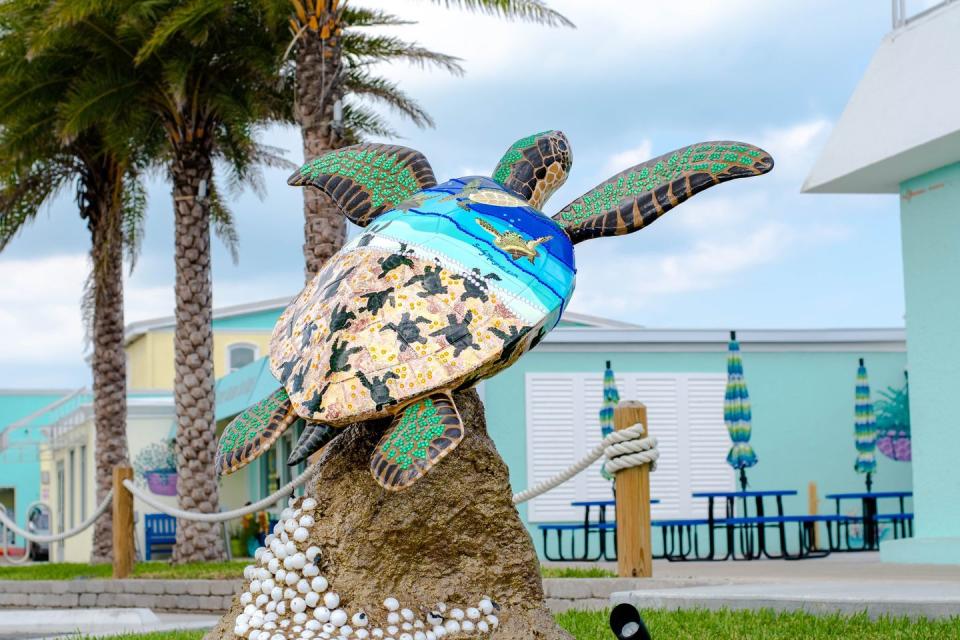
column 159, row 529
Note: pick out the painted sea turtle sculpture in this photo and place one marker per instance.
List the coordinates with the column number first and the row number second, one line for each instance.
column 448, row 284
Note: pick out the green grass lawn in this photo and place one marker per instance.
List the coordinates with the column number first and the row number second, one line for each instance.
column 725, row 625
column 70, row 571
column 203, row 570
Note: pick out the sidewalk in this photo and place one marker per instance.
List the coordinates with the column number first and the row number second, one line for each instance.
column 46, row 624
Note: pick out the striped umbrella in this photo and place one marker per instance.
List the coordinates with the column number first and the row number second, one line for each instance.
column 736, row 413
column 610, row 399
column 865, row 427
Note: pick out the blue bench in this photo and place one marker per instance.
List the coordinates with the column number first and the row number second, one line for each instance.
column 902, row 523
column 159, row 530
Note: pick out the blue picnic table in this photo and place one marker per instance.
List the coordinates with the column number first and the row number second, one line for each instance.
column 871, row 515
column 730, row 524
column 600, row 525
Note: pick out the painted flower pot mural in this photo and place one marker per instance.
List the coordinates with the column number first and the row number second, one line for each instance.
column 893, row 422
column 156, row 466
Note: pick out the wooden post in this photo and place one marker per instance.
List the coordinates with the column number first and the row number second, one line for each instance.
column 634, row 550
column 812, row 509
column 123, row 534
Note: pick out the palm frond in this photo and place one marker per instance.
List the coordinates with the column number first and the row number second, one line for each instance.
column 134, row 212
column 529, row 10
column 366, row 85
column 364, row 17
column 360, row 122
column 364, row 49
column 222, row 220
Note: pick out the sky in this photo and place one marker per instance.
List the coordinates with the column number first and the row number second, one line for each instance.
column 632, row 81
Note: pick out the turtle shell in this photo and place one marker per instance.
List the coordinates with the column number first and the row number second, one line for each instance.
column 424, row 299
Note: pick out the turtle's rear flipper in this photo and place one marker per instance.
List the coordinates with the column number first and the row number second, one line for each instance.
column 419, row 438
column 254, row 431
column 313, row 438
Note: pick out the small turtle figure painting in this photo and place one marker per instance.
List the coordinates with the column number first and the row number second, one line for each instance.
column 451, row 284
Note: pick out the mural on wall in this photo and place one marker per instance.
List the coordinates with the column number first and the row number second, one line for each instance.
column 893, row 422
column 156, row 467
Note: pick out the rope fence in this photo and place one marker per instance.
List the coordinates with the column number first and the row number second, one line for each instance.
column 623, row 449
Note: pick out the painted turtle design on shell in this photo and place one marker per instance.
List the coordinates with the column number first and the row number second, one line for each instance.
column 452, row 283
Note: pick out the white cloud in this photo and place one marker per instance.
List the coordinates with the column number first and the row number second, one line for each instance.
column 629, row 157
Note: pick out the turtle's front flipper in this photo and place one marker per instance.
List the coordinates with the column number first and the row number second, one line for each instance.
column 313, row 438
column 368, row 179
column 253, row 432
column 419, row 438
column 634, row 198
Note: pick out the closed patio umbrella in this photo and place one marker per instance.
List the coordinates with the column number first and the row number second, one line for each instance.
column 610, row 399
column 865, row 427
column 736, row 413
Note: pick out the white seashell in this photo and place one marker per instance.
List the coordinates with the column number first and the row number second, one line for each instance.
column 264, row 574
column 290, row 525
column 296, row 628
column 418, row 624
column 312, row 553
column 308, row 504
column 248, row 610
column 284, row 538
column 278, row 636
column 289, row 594
column 377, row 633
column 274, row 565
column 407, row 614
column 391, row 604
column 456, row 614
column 271, row 616
column 277, row 528
column 406, row 636
column 483, row 627
column 306, row 521
column 300, row 534
column 338, row 617
column 256, row 622
column 299, row 561
column 291, row 547
column 406, row 626
column 262, row 599
column 329, row 628
column 362, row 634
column 241, row 630
column 434, row 618
column 310, row 570
column 306, row 634
column 271, row 606
column 258, row 553
column 419, row 635
column 288, row 563
column 452, row 626
column 298, row 605
column 312, row 598
column 281, row 551
column 254, row 586
column 266, row 586
column 486, row 606
column 441, row 607
column 439, row 631
column 473, row 613
column 319, row 584
column 277, row 593
column 246, row 597
column 291, row 578
column 270, row 537
column 284, row 624
column 346, row 630
column 431, row 635
column 393, row 617
column 299, row 617
column 286, row 514
column 359, row 619
column 269, row 625
column 493, row 620
column 242, row 619
column 246, row 572
column 280, row 575
column 313, row 625
column 281, row 608
column 467, row 626
column 322, row 614
column 331, row 600
column 392, row 630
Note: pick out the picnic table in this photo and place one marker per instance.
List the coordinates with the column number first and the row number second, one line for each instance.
column 600, row 525
column 871, row 515
column 730, row 524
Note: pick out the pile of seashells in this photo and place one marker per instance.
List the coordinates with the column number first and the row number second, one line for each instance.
column 288, row 599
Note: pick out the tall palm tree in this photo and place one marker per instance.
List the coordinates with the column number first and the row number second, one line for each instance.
column 38, row 161
column 208, row 73
column 333, row 53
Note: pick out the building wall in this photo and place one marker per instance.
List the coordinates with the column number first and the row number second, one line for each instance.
column 150, row 356
column 930, row 219
column 802, row 412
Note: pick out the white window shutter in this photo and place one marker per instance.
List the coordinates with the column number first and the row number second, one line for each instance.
column 709, row 441
column 551, row 445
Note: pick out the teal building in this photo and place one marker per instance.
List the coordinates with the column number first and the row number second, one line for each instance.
column 900, row 135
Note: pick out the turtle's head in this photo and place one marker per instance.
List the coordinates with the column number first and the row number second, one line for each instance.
column 536, row 166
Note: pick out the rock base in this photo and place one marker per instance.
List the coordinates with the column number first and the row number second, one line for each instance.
column 454, row 537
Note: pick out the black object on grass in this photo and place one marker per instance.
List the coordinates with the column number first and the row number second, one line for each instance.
column 626, row 623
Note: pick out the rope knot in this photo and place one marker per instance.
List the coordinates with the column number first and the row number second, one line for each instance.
column 629, row 448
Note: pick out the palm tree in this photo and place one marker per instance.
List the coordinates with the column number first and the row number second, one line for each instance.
column 208, row 73
column 38, row 161
column 333, row 54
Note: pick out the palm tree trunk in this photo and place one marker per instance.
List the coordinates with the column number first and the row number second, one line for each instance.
column 104, row 219
column 197, row 489
column 318, row 88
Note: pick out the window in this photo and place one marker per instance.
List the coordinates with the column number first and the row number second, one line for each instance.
column 240, row 355
column 686, row 416
column 83, row 483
